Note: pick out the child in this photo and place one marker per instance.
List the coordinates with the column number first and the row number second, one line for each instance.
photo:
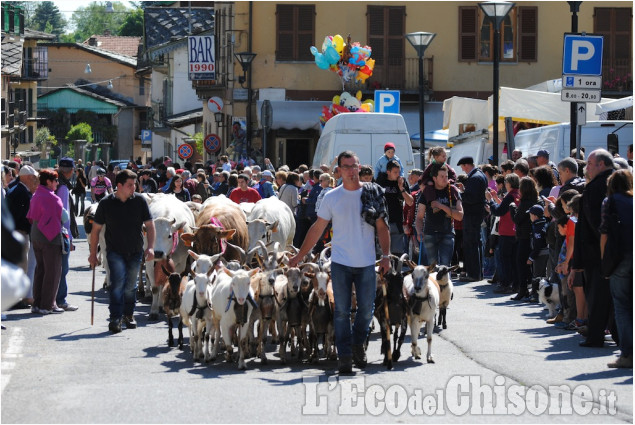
column 572, row 207
column 539, row 252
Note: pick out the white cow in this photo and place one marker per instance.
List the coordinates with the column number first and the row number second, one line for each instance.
column 171, row 217
column 270, row 221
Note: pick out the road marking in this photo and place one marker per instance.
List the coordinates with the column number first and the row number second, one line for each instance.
column 14, row 350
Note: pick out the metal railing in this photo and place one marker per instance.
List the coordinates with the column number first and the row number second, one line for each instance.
column 412, row 73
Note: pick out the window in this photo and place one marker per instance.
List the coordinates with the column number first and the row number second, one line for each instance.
column 295, row 32
column 518, row 35
column 615, row 24
column 142, row 86
column 386, row 29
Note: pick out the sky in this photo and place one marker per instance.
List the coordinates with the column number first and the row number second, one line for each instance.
column 67, row 7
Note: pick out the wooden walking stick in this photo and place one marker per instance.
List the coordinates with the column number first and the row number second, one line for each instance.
column 92, row 301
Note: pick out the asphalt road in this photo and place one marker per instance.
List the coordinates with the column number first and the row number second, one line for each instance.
column 60, row 369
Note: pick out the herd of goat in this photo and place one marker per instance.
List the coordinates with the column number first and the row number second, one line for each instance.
column 238, row 293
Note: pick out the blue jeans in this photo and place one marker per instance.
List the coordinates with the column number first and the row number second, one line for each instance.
column 124, row 271
column 62, row 291
column 365, row 285
column 488, row 262
column 622, row 292
column 439, row 247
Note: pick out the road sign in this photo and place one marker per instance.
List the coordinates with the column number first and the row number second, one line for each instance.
column 215, row 104
column 200, row 57
column 387, row 101
column 212, row 143
column 582, row 82
column 581, row 111
column 146, row 138
column 580, row 95
column 185, row 151
column 582, row 54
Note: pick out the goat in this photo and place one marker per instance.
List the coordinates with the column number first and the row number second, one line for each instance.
column 423, row 293
column 320, row 315
column 195, row 309
column 391, row 309
column 442, row 276
column 172, row 296
column 232, row 287
column 289, row 307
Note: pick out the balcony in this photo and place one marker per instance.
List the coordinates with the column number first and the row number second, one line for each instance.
column 36, row 67
column 412, row 74
column 617, row 79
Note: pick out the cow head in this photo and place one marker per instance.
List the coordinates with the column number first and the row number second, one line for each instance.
column 260, row 230
column 207, row 239
column 167, row 236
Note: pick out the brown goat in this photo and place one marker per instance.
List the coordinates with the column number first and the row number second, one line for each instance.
column 172, row 296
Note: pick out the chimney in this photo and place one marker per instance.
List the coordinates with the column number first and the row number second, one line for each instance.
column 92, row 41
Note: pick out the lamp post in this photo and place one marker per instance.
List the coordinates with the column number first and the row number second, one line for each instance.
column 496, row 11
column 574, row 8
column 245, row 59
column 420, row 41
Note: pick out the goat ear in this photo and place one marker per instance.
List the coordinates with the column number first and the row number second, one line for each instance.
column 228, row 272
column 193, row 254
column 274, row 227
column 165, row 272
column 432, row 266
column 254, row 271
column 187, row 238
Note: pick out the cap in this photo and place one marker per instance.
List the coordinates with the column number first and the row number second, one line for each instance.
column 466, row 160
column 536, row 210
column 101, row 172
column 543, row 152
column 27, row 170
column 67, row 162
column 389, row 145
column 267, row 173
column 491, row 158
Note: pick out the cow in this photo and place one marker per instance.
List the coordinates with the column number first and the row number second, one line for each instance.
column 171, row 217
column 219, row 220
column 270, row 221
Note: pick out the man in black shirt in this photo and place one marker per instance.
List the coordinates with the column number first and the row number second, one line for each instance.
column 396, row 191
column 146, row 183
column 124, row 213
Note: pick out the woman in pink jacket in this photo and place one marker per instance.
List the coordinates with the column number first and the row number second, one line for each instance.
column 46, row 215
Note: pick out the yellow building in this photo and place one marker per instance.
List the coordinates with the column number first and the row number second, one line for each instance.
column 457, row 62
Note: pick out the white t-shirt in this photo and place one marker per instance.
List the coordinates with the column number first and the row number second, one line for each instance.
column 353, row 242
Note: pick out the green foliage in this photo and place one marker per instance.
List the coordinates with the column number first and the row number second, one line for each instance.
column 133, row 24
column 93, row 19
column 199, row 138
column 81, row 131
column 43, row 135
column 48, row 18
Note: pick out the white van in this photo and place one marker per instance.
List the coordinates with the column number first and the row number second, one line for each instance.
column 556, row 138
column 365, row 134
column 474, row 144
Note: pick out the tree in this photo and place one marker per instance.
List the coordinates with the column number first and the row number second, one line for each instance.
column 81, row 131
column 199, row 142
column 93, row 19
column 48, row 17
column 133, row 24
column 43, row 136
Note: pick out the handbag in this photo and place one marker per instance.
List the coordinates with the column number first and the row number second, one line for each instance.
column 66, row 241
column 613, row 254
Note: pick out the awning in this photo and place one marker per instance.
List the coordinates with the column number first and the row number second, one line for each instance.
column 614, row 105
column 294, row 114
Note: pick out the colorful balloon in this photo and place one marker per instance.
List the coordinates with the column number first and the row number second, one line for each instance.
column 338, row 43
column 320, row 60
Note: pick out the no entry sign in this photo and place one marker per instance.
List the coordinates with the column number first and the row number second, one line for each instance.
column 185, row 151
column 212, row 143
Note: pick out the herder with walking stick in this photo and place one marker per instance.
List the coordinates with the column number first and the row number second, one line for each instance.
column 124, row 213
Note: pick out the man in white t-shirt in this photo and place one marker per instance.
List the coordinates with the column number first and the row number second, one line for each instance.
column 353, row 260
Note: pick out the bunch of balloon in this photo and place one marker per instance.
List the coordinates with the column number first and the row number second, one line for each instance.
column 344, row 103
column 350, row 61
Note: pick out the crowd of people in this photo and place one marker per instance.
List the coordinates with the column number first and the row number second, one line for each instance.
column 515, row 224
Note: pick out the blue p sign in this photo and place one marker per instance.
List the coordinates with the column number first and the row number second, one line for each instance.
column 387, row 101
column 582, row 55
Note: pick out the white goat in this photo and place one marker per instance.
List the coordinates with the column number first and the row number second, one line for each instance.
column 423, row 293
column 195, row 312
column 442, row 276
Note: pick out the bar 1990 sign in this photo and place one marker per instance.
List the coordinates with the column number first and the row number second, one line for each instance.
column 201, row 63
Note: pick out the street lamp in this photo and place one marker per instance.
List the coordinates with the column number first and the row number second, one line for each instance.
column 496, row 11
column 574, row 8
column 420, row 41
column 245, row 59
column 218, row 117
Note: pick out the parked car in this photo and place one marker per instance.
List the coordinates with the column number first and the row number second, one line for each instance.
column 121, row 163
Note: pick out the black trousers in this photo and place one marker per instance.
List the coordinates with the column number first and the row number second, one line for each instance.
column 472, row 246
column 523, row 270
column 600, row 303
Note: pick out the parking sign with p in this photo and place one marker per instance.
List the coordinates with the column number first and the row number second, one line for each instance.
column 387, row 101
column 582, row 54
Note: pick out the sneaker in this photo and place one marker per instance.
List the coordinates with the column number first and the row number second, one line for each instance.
column 622, row 363
column 130, row 322
column 42, row 311
column 69, row 307
column 35, row 310
column 57, row 310
column 558, row 318
column 345, row 365
column 359, row 356
column 114, row 326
